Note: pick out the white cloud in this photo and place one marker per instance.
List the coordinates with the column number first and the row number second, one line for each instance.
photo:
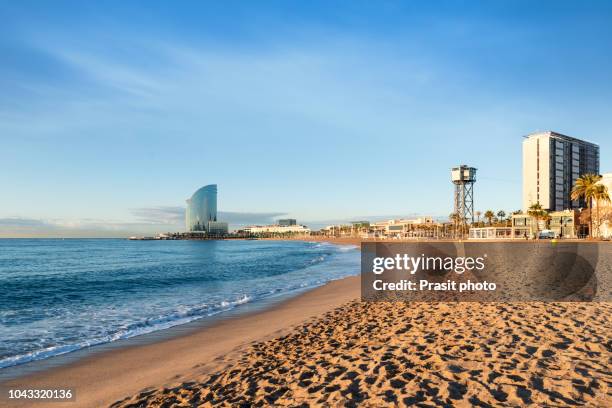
column 148, row 221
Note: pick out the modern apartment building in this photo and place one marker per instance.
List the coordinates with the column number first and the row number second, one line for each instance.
column 551, row 164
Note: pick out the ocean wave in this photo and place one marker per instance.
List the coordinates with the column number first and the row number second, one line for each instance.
column 153, row 325
column 344, row 248
column 321, row 270
column 150, row 325
column 318, row 259
column 337, row 247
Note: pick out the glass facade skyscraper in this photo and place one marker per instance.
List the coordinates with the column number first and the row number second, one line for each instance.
column 201, row 209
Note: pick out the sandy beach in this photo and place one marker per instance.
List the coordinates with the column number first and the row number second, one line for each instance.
column 327, row 348
column 102, row 379
column 382, row 354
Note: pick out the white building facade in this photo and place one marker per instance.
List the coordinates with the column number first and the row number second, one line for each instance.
column 277, row 229
column 604, row 210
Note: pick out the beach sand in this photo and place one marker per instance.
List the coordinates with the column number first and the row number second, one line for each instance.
column 101, row 379
column 432, row 354
column 327, row 348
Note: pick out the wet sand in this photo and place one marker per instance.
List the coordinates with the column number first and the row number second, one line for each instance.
column 104, row 378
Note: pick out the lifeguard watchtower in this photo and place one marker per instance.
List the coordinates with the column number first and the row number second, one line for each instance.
column 464, row 177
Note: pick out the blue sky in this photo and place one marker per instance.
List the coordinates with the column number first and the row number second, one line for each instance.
column 112, row 114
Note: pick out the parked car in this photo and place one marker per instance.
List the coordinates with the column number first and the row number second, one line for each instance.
column 547, row 234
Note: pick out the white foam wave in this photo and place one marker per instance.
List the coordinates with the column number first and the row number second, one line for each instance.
column 191, row 313
column 137, row 329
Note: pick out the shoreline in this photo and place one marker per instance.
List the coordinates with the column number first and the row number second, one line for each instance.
column 103, row 378
column 31, row 367
column 52, row 361
column 190, row 362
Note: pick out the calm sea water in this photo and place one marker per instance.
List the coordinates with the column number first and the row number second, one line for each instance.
column 58, row 296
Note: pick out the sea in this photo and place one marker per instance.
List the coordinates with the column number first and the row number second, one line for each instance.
column 62, row 295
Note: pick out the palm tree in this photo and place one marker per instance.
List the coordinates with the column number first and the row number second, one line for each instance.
column 455, row 219
column 585, row 188
column 478, row 214
column 489, row 215
column 501, row 214
column 537, row 212
column 600, row 195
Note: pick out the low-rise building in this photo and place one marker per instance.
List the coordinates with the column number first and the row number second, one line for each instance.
column 287, row 221
column 217, row 228
column 398, row 228
column 276, row 229
column 493, row 233
column 406, row 228
column 524, row 225
column 563, row 224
